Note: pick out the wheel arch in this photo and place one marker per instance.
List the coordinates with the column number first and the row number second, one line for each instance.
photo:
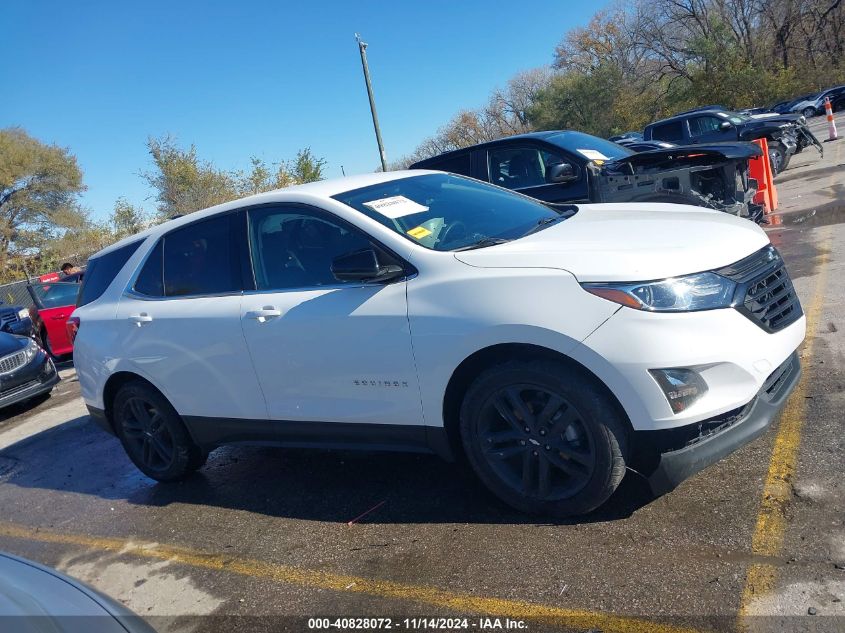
column 477, row 362
column 113, row 385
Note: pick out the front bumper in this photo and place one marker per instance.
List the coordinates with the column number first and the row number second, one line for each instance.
column 675, row 466
column 33, row 379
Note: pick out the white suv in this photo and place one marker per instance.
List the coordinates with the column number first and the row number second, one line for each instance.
column 423, row 311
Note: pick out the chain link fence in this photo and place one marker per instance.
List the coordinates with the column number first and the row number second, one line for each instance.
column 15, row 293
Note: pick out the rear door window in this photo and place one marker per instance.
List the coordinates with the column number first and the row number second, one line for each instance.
column 671, row 131
column 202, row 258
column 101, row 271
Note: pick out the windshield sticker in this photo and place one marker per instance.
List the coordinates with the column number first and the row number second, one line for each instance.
column 395, row 207
column 591, row 154
column 419, row 232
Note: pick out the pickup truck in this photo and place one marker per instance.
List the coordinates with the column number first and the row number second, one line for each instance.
column 573, row 167
column 786, row 134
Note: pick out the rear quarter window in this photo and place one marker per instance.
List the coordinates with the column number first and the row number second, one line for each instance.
column 459, row 164
column 102, row 270
column 672, row 131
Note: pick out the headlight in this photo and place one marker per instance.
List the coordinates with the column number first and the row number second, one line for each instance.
column 30, row 350
column 702, row 291
column 23, row 313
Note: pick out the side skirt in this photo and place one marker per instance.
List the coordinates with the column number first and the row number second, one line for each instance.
column 210, row 432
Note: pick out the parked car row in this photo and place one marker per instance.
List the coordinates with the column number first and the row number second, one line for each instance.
column 785, row 134
column 32, row 338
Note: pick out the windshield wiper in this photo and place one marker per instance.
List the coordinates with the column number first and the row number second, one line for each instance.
column 543, row 223
column 483, row 242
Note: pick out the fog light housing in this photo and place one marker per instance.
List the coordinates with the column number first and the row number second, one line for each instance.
column 682, row 387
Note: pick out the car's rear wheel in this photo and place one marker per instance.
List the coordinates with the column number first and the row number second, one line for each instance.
column 153, row 434
column 543, row 438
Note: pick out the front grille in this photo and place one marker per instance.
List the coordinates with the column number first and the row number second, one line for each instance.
column 766, row 293
column 11, row 362
column 7, row 318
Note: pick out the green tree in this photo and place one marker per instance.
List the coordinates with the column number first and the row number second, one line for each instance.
column 184, row 183
column 39, row 197
column 127, row 219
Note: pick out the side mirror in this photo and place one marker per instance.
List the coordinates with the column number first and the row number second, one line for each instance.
column 562, row 172
column 725, row 126
column 363, row 265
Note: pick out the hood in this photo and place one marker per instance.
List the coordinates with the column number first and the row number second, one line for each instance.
column 9, row 343
column 775, row 116
column 719, row 151
column 629, row 242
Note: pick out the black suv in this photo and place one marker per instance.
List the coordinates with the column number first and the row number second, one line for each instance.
column 785, row 134
column 567, row 166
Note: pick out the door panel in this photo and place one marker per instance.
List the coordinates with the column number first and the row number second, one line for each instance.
column 325, row 351
column 193, row 350
column 181, row 321
column 334, row 354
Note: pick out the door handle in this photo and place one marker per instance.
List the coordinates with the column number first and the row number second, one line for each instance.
column 140, row 319
column 267, row 312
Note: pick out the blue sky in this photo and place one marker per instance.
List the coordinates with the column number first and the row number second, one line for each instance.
column 261, row 78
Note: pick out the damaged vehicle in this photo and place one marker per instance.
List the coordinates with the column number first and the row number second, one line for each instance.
column 573, row 167
column 785, row 134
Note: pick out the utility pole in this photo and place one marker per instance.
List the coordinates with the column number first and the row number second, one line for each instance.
column 362, row 47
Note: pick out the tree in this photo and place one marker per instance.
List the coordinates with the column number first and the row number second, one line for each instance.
column 184, row 183
column 39, row 194
column 127, row 219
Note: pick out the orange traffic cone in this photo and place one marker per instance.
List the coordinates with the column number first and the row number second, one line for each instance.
column 831, row 124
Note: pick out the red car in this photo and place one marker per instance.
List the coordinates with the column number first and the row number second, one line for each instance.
column 54, row 301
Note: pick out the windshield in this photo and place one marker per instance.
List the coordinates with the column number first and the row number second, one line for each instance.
column 56, row 295
column 444, row 212
column 589, row 146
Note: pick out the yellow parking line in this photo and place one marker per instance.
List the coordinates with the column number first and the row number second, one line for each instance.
column 771, row 521
column 315, row 579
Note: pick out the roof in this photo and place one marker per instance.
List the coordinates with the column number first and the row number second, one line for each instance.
column 546, row 135
column 321, row 189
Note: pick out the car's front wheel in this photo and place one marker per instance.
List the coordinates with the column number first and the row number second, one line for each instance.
column 543, row 437
column 153, row 435
column 777, row 157
column 809, row 112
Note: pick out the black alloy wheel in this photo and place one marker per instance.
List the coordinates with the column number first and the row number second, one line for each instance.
column 146, row 434
column 544, row 437
column 153, row 434
column 535, row 441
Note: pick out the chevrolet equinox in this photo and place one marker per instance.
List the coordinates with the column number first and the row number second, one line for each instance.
column 552, row 347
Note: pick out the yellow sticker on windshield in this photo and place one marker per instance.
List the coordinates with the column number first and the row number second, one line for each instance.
column 419, row 232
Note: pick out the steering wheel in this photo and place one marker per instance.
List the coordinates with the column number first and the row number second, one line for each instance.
column 455, row 230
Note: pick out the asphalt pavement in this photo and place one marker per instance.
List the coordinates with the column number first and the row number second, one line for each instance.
column 261, row 538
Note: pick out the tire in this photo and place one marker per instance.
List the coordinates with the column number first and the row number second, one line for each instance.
column 571, row 458
column 778, row 157
column 44, row 341
column 808, row 112
column 153, row 435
